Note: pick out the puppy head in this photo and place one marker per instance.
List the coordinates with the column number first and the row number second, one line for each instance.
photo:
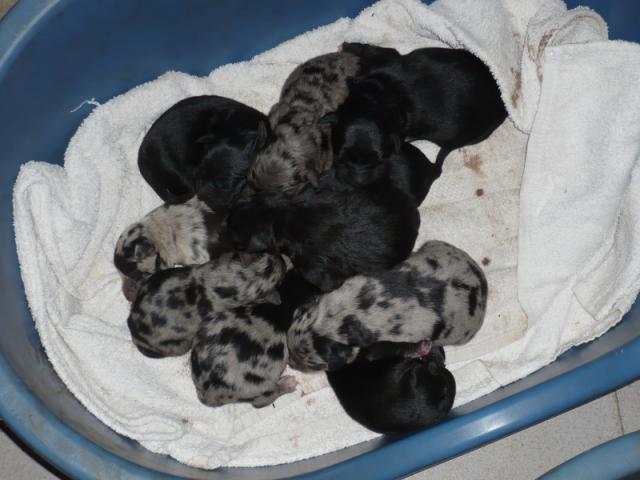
column 136, row 258
column 395, row 394
column 287, row 163
column 222, row 175
column 237, row 278
column 251, row 226
column 362, row 151
column 434, row 387
column 225, row 164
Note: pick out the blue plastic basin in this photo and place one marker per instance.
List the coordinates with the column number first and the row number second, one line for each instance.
column 55, row 54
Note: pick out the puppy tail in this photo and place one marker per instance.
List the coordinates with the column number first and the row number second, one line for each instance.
column 442, row 154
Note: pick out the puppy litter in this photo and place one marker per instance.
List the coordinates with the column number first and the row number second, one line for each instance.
column 577, row 261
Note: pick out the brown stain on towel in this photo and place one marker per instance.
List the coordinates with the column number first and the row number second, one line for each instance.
column 473, row 162
column 536, row 53
column 515, row 95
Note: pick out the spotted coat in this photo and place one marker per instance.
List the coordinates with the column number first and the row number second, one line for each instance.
column 301, row 148
column 438, row 293
column 169, row 235
column 172, row 303
column 239, row 356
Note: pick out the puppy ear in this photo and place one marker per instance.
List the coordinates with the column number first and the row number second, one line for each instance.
column 330, row 118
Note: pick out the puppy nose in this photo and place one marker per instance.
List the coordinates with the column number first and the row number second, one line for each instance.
column 130, row 289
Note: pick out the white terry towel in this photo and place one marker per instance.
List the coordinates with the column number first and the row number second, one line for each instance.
column 574, row 245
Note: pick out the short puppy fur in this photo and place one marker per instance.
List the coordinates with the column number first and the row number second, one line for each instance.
column 439, row 293
column 202, row 145
column 447, row 96
column 172, row 303
column 395, row 394
column 407, row 169
column 330, row 234
column 184, row 234
column 239, row 356
column 299, row 148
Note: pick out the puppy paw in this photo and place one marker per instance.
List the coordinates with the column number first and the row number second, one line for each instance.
column 287, row 383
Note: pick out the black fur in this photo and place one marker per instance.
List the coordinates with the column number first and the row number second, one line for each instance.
column 202, row 145
column 443, row 95
column 395, row 394
column 403, row 166
column 330, row 234
column 295, row 290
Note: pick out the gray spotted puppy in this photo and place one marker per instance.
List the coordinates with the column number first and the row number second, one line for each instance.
column 438, row 295
column 239, row 356
column 184, row 234
column 300, row 146
column 172, row 303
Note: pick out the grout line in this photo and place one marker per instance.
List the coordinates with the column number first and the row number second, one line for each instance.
column 622, row 429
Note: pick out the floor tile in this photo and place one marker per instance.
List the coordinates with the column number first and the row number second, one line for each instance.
column 5, row 5
column 629, row 403
column 528, row 454
column 16, row 464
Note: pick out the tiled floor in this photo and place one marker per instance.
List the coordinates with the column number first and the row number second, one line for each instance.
column 522, row 456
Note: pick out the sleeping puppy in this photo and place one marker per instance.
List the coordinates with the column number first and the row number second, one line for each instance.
column 446, row 96
column 239, row 356
column 406, row 169
column 395, row 394
column 299, row 148
column 172, row 303
column 184, row 234
column 202, row 145
column 438, row 294
column 330, row 234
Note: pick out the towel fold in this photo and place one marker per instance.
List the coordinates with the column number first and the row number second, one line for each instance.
column 546, row 205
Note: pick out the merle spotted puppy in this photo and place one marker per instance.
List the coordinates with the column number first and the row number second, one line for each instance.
column 439, row 294
column 299, row 148
column 443, row 95
column 184, row 234
column 239, row 355
column 330, row 234
column 172, row 303
column 202, row 145
column 395, row 393
column 407, row 169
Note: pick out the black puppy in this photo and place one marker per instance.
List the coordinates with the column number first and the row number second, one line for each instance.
column 397, row 393
column 446, row 96
column 295, row 291
column 331, row 233
column 407, row 169
column 202, row 145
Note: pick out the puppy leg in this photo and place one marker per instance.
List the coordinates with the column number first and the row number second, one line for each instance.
column 286, row 384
